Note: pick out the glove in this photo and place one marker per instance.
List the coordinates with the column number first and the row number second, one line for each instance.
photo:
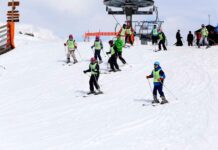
column 160, row 79
column 65, row 44
column 75, row 47
column 84, row 71
column 107, row 53
column 92, row 46
column 147, row 77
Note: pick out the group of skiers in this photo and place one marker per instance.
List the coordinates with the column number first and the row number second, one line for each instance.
column 158, row 37
column 201, row 37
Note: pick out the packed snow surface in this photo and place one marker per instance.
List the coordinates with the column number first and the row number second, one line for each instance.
column 42, row 105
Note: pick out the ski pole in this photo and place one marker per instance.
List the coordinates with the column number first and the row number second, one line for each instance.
column 79, row 54
column 150, row 86
column 169, row 91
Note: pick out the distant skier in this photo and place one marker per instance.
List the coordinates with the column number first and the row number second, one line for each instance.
column 122, row 34
column 113, row 59
column 98, row 47
column 162, row 40
column 118, row 46
column 198, row 37
column 190, row 39
column 129, row 35
column 72, row 46
column 154, row 34
column 204, row 36
column 93, row 82
column 179, row 39
column 158, row 76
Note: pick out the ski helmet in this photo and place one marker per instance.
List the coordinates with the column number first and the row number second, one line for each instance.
column 70, row 36
column 93, row 60
column 111, row 42
column 97, row 37
column 202, row 25
column 157, row 63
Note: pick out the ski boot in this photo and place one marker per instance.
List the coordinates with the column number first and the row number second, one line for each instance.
column 99, row 92
column 164, row 101
column 91, row 92
column 155, row 100
column 68, row 60
column 75, row 61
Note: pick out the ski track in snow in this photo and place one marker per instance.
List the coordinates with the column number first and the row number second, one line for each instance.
column 42, row 105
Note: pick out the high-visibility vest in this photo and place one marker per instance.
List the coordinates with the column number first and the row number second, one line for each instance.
column 123, row 32
column 97, row 45
column 112, row 50
column 129, row 31
column 156, row 75
column 204, row 32
column 154, row 32
column 161, row 36
column 93, row 68
column 71, row 44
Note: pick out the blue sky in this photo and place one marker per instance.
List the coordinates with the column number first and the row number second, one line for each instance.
column 79, row 16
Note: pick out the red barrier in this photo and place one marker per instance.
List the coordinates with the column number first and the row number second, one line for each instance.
column 90, row 34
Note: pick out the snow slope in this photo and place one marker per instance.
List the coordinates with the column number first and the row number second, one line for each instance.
column 42, row 105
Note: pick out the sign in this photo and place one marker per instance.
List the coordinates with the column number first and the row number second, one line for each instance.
column 16, row 11
column 13, row 14
column 14, row 20
column 15, row 3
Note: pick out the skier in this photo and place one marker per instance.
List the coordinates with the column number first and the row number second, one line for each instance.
column 98, row 47
column 162, row 40
column 72, row 46
column 122, row 34
column 204, row 35
column 198, row 37
column 94, row 69
column 154, row 34
column 113, row 59
column 159, row 77
column 118, row 46
column 129, row 35
column 190, row 39
column 179, row 39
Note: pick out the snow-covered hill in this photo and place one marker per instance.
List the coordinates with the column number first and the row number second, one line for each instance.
column 42, row 105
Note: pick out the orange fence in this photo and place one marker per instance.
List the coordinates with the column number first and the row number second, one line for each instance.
column 90, row 34
column 7, row 37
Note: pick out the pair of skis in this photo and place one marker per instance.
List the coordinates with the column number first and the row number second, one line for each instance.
column 94, row 93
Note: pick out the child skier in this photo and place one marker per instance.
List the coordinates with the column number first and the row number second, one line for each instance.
column 71, row 47
column 162, row 40
column 113, row 59
column 94, row 69
column 159, row 77
column 98, row 47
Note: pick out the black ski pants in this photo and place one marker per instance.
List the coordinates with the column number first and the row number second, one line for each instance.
column 190, row 43
column 121, row 58
column 97, row 55
column 113, row 62
column 158, row 88
column 154, row 40
column 162, row 43
column 93, row 82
